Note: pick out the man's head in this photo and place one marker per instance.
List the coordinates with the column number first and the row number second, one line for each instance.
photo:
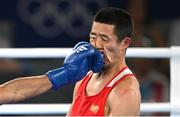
column 111, row 34
column 122, row 21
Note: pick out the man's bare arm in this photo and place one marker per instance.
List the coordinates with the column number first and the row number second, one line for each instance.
column 125, row 101
column 23, row 88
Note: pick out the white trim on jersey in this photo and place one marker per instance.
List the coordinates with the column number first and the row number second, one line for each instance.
column 123, row 73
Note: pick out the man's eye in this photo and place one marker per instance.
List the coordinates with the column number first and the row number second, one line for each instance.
column 92, row 37
column 104, row 39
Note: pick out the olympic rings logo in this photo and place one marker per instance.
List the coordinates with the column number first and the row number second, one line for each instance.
column 50, row 18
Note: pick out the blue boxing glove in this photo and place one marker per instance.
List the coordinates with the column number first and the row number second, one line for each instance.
column 96, row 60
column 76, row 65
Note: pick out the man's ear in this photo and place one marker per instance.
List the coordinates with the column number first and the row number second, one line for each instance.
column 126, row 42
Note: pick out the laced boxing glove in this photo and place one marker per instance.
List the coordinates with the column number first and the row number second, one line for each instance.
column 82, row 59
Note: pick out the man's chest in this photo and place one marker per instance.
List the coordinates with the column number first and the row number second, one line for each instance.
column 97, row 89
column 93, row 87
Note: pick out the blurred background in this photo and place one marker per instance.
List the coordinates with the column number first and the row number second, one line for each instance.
column 63, row 23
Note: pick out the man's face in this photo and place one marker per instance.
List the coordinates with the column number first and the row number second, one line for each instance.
column 103, row 38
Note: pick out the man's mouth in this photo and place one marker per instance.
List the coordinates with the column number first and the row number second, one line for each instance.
column 105, row 59
column 104, row 56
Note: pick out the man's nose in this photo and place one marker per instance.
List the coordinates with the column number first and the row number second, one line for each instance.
column 98, row 43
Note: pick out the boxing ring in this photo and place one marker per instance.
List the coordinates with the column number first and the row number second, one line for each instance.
column 172, row 53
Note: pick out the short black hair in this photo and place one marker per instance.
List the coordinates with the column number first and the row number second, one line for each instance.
column 120, row 18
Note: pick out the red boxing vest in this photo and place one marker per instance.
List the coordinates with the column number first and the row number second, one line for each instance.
column 94, row 105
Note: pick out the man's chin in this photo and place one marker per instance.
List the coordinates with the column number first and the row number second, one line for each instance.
column 106, row 66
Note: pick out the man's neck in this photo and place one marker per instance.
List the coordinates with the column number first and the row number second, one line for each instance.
column 111, row 70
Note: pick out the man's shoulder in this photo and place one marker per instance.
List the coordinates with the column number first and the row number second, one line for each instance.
column 127, row 85
column 126, row 91
column 89, row 74
column 128, row 82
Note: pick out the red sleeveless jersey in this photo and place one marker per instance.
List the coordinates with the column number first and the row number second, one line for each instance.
column 94, row 105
